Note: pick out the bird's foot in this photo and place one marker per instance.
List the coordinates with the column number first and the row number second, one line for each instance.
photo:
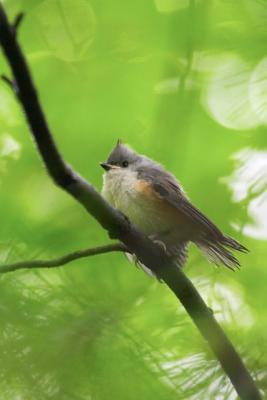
column 133, row 259
column 159, row 242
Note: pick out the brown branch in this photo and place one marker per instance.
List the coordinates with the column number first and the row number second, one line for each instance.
column 67, row 258
column 150, row 254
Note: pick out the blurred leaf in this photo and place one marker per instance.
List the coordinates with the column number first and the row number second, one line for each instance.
column 68, row 27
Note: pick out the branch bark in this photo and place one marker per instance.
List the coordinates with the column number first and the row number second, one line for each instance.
column 67, row 258
column 116, row 224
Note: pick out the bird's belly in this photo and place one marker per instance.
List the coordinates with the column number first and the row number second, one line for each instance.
column 145, row 213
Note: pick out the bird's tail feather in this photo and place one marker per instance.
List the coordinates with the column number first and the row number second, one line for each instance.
column 220, row 251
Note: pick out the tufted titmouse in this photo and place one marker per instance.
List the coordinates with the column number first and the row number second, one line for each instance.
column 154, row 201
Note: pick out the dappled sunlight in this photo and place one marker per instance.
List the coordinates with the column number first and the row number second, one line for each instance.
column 249, row 187
column 196, row 377
column 10, row 114
column 227, row 97
column 167, row 86
column 9, row 147
column 258, row 212
column 206, row 62
column 227, row 303
column 205, row 380
column 258, row 90
column 234, row 91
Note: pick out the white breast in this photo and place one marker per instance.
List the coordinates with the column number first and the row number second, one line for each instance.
column 119, row 189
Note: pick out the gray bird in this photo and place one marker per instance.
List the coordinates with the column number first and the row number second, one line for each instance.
column 155, row 202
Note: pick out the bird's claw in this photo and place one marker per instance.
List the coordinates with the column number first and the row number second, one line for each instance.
column 159, row 242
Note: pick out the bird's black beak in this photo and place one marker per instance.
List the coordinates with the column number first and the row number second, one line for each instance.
column 106, row 166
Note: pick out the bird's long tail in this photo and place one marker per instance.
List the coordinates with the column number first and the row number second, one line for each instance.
column 219, row 250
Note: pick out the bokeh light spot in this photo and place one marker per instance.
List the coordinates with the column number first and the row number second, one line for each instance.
column 227, row 95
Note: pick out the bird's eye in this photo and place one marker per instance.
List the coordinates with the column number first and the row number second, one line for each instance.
column 125, row 164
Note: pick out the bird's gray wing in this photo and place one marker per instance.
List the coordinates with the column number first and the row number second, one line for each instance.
column 194, row 225
column 172, row 193
column 167, row 188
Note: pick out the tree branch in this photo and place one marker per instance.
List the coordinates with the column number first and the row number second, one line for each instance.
column 67, row 258
column 152, row 255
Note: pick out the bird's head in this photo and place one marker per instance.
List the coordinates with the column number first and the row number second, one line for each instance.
column 122, row 160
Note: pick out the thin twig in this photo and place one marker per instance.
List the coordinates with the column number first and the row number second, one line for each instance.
column 8, row 81
column 150, row 254
column 67, row 258
column 17, row 21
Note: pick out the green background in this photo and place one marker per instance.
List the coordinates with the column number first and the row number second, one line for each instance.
column 183, row 82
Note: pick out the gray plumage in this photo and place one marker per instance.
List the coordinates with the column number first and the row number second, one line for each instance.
column 154, row 200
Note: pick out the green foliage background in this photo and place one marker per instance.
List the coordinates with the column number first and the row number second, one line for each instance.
column 183, row 82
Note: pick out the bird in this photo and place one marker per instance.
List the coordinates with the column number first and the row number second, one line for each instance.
column 155, row 201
